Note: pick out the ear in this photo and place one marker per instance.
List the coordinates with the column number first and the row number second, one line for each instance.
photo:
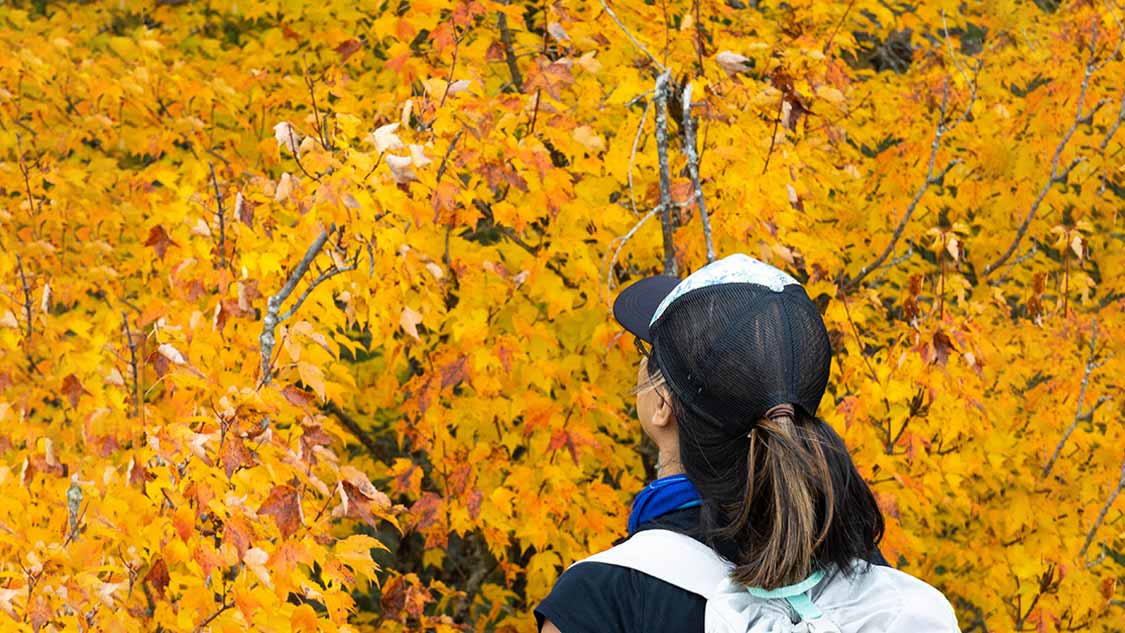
column 662, row 417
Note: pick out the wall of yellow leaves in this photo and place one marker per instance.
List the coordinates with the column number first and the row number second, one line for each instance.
column 304, row 305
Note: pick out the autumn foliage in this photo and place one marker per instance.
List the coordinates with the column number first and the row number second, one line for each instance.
column 304, row 305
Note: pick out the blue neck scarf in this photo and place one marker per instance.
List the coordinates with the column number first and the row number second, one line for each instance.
column 661, row 497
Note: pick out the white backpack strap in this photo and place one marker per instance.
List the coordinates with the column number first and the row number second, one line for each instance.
column 675, row 558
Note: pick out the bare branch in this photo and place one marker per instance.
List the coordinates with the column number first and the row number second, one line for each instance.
column 931, row 179
column 1105, row 510
column 31, row 206
column 693, row 170
column 1114, row 126
column 633, row 156
column 630, row 35
column 665, row 176
column 321, row 123
column 267, row 339
column 1091, row 365
column 453, row 65
column 509, row 52
column 133, row 362
column 971, row 83
column 621, row 244
column 221, row 216
column 325, row 276
column 1121, row 34
column 352, row 426
column 1055, row 174
column 297, row 154
column 32, row 365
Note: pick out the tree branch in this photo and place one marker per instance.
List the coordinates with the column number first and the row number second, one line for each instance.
column 633, row 156
column 665, row 176
column 621, row 244
column 930, row 179
column 693, row 170
column 267, row 339
column 1104, row 511
column 1054, row 176
column 133, row 364
column 509, row 52
column 352, row 426
column 222, row 218
column 1091, row 365
column 630, row 35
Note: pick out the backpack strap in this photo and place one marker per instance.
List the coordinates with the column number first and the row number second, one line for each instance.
column 675, row 558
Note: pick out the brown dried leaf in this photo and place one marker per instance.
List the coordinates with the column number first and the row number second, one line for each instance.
column 284, row 503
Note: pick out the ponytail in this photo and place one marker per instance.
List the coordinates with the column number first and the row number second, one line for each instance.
column 787, row 477
column 781, row 502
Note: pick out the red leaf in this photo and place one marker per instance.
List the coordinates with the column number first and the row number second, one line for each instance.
column 72, row 389
column 157, row 576
column 159, row 240
column 348, row 48
column 284, row 504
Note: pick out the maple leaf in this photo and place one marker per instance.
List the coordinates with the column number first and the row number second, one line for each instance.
column 347, row 48
column 159, row 240
column 157, row 576
column 238, row 533
column 72, row 389
column 284, row 504
column 235, row 455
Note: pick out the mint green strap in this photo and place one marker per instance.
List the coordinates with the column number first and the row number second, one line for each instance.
column 795, row 595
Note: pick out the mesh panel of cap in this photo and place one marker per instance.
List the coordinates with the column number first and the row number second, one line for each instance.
column 732, row 351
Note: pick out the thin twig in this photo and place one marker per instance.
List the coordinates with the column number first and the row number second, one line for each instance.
column 773, row 134
column 352, row 426
column 693, row 171
column 509, row 52
column 836, row 28
column 1109, row 136
column 297, row 154
column 437, row 181
column 320, row 124
column 222, row 609
column 535, row 112
column 222, row 218
column 453, row 68
column 31, row 206
column 1091, row 365
column 633, row 156
column 1104, row 511
column 931, row 179
column 661, row 99
column 1055, row 176
column 133, row 363
column 621, row 244
column 630, row 35
column 1114, row 127
column 31, row 364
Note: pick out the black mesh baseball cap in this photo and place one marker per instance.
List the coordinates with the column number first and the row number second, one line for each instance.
column 734, row 340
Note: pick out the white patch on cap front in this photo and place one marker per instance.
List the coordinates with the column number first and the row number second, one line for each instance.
column 732, row 269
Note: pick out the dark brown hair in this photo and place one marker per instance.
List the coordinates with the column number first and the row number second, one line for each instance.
column 784, row 500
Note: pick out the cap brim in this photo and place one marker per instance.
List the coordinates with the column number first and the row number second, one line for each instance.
column 636, row 304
